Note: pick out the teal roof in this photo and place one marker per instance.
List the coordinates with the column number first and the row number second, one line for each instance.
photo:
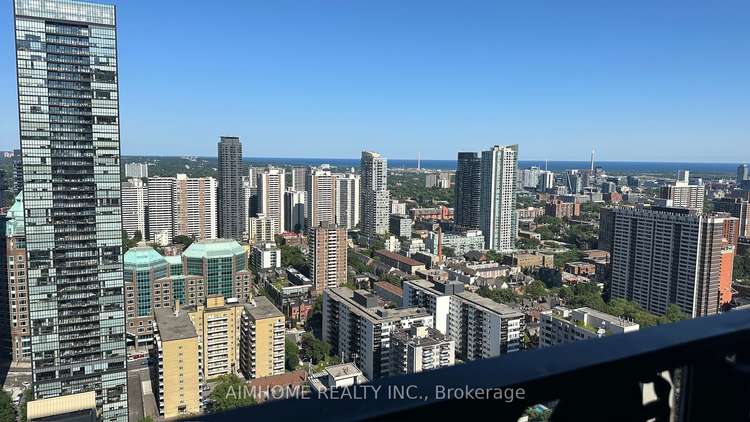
column 214, row 248
column 173, row 259
column 143, row 256
column 14, row 226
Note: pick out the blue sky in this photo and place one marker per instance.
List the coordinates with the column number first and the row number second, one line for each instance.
column 643, row 80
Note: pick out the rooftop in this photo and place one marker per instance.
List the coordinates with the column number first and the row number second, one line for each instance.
column 143, row 256
column 400, row 258
column 262, row 308
column 174, row 327
column 214, row 248
column 375, row 313
column 489, row 304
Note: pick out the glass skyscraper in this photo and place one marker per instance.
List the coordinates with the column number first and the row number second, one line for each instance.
column 70, row 142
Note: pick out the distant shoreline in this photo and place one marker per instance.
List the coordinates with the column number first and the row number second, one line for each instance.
column 555, row 166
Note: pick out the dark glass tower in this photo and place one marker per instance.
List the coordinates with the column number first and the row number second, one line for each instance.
column 231, row 197
column 468, row 185
column 70, row 143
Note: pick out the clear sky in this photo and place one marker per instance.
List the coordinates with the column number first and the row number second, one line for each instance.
column 643, row 80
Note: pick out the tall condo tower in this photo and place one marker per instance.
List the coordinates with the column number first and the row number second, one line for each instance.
column 375, row 202
column 231, row 197
column 498, row 216
column 68, row 106
column 467, row 190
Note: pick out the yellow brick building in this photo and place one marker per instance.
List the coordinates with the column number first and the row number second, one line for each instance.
column 218, row 324
column 263, row 336
column 178, row 382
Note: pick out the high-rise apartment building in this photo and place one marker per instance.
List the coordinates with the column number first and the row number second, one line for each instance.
column 480, row 327
column 294, row 210
column 195, row 207
column 134, row 200
column 181, row 205
column 420, row 348
column 347, row 200
column 742, row 173
column 161, row 209
column 546, row 181
column 359, row 330
column 299, row 179
column 271, row 195
column 321, row 196
column 662, row 256
column 467, row 190
column 218, row 323
column 327, row 256
column 530, row 177
column 231, row 197
column 375, row 197
column 262, row 229
column 69, row 126
column 14, row 285
column 179, row 364
column 136, row 170
column 738, row 208
column 498, row 217
column 17, row 172
column 684, row 195
column 262, row 339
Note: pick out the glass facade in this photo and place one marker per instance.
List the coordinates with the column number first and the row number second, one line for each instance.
column 69, row 127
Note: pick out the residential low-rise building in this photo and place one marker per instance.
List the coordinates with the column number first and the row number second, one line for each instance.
column 403, row 263
column 562, row 325
column 530, row 260
column 400, row 225
column 266, row 256
column 336, row 376
column 460, row 243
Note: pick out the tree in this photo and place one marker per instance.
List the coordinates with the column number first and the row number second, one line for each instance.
column 571, row 255
column 535, row 290
column 137, row 236
column 146, row 419
column 7, row 411
column 507, row 296
column 674, row 314
column 291, row 351
column 522, row 243
column 314, row 350
column 314, row 321
column 448, row 252
column 229, row 393
column 28, row 395
column 292, row 256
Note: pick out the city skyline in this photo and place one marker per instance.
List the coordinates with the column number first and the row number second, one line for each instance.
column 516, row 77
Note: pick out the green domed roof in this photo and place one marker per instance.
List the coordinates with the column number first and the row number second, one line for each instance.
column 214, row 248
column 143, row 256
column 14, row 225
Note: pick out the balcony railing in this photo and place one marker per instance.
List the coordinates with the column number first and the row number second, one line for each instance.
column 592, row 380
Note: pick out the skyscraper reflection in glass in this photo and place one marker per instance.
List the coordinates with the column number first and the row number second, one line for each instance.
column 69, row 125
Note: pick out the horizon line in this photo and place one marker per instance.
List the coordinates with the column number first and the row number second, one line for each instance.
column 440, row 159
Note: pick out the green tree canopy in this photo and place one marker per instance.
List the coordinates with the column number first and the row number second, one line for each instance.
column 313, row 349
column 229, row 393
column 291, row 351
column 7, row 411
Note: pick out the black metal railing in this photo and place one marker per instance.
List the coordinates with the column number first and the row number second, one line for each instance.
column 595, row 380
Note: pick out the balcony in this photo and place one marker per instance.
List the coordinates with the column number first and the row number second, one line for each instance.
column 591, row 380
